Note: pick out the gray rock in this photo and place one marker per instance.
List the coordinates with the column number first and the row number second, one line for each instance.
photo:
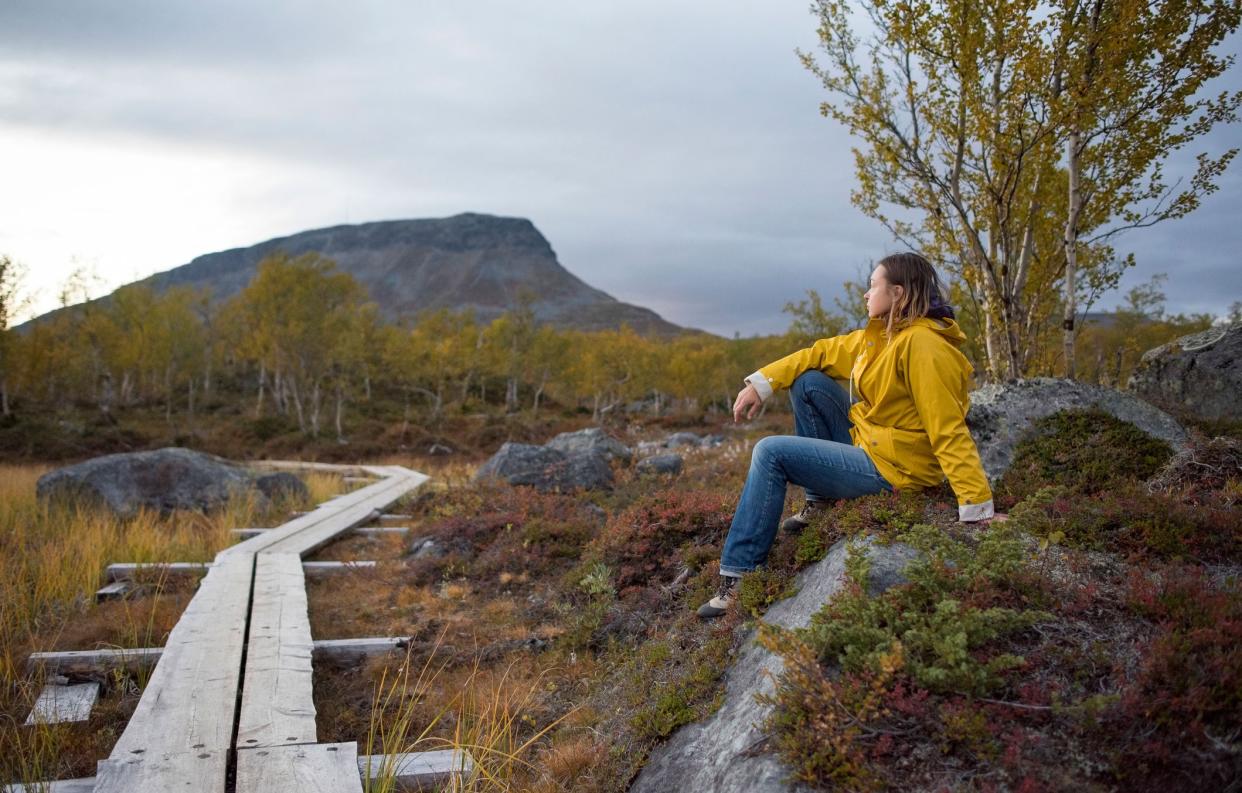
column 162, row 480
column 712, row 441
column 597, row 513
column 282, row 485
column 682, row 439
column 647, row 447
column 1001, row 415
column 426, row 548
column 660, row 464
column 591, row 439
column 718, row 753
column 1200, row 373
column 547, row 469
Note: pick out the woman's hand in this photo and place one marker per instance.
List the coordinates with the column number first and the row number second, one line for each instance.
column 747, row 402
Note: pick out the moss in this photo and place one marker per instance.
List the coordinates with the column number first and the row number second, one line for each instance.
column 1085, row 451
column 689, row 694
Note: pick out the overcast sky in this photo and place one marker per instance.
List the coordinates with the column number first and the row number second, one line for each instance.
column 672, row 153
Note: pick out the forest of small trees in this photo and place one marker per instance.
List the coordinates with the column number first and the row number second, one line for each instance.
column 302, row 342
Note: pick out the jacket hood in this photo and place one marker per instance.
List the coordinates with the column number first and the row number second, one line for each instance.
column 947, row 328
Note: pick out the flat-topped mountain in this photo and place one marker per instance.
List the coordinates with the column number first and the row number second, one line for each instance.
column 477, row 261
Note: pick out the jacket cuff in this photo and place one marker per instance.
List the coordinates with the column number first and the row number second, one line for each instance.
column 969, row 513
column 761, row 385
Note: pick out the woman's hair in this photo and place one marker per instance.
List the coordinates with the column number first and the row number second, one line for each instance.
column 920, row 294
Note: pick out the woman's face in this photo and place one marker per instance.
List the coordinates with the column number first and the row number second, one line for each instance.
column 881, row 294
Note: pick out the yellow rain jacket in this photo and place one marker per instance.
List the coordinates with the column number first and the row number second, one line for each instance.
column 913, row 394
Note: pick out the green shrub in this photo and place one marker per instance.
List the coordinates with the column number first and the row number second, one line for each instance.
column 959, row 599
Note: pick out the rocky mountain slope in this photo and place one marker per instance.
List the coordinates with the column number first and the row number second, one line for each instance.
column 476, row 261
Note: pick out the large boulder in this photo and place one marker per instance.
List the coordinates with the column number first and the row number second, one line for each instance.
column 162, row 480
column 591, row 439
column 1200, row 374
column 718, row 754
column 1001, row 415
column 547, row 469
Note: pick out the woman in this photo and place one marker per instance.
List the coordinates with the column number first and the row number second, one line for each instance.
column 902, row 423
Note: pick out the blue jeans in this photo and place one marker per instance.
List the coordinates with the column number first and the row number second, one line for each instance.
column 820, row 458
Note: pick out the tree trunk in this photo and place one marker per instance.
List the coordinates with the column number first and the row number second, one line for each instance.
column 315, row 410
column 340, row 401
column 1072, row 154
column 258, row 405
column 168, row 394
column 4, row 397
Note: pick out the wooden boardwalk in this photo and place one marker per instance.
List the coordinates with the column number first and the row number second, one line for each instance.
column 232, row 685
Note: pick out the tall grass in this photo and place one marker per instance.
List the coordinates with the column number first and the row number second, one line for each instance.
column 493, row 736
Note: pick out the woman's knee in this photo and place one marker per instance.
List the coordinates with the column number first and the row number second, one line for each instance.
column 808, row 379
column 815, row 380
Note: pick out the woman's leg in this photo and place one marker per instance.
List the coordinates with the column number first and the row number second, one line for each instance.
column 821, row 409
column 830, row 469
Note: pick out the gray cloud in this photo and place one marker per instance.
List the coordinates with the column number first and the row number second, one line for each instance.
column 672, row 152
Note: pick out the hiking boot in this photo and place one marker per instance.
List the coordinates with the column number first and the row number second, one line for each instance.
column 725, row 594
column 799, row 520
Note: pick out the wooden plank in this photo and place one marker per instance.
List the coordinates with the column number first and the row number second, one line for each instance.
column 409, row 771
column 417, row 770
column 277, row 705
column 116, row 590
column 82, row 662
column 85, row 662
column 382, row 530
column 182, row 728
column 123, row 572
column 127, row 571
column 60, row 703
column 312, row 568
column 200, row 771
column 81, row 785
column 339, row 651
column 395, row 516
column 308, row 768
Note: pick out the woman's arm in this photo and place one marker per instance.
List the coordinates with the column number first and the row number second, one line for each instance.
column 938, row 386
column 834, row 356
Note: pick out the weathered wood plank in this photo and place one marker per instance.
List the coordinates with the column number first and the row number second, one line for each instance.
column 84, row 662
column 409, row 771
column 277, row 704
column 417, row 770
column 307, row 768
column 340, row 651
column 312, row 568
column 81, row 785
column 183, row 723
column 124, row 572
column 382, row 530
column 116, row 590
column 198, row 771
column 127, row 571
column 395, row 516
column 60, row 703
